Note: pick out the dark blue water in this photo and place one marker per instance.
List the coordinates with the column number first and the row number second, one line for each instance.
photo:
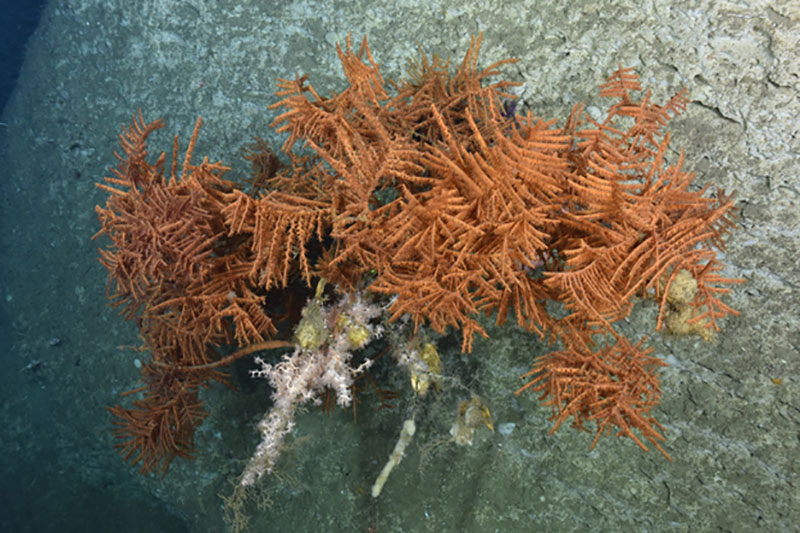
column 18, row 19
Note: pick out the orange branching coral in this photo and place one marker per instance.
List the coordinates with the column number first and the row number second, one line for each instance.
column 457, row 208
column 425, row 189
column 173, row 270
column 431, row 191
column 614, row 385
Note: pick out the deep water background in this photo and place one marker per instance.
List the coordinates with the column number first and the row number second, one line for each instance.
column 18, row 19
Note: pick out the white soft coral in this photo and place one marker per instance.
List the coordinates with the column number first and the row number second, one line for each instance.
column 309, row 371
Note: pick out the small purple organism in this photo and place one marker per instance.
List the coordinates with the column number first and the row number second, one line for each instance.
column 510, row 109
